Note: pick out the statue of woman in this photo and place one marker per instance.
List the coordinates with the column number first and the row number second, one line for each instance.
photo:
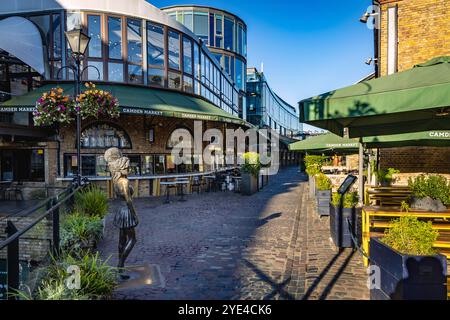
column 125, row 217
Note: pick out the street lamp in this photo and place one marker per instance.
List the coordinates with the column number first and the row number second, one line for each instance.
column 78, row 43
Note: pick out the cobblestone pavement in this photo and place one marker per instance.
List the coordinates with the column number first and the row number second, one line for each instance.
column 228, row 246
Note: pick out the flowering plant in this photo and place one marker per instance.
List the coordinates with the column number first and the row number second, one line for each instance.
column 53, row 107
column 96, row 103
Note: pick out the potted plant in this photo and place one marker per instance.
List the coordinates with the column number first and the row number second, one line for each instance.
column 313, row 165
column 385, row 176
column 54, row 107
column 409, row 268
column 94, row 103
column 343, row 218
column 250, row 173
column 323, row 194
column 430, row 193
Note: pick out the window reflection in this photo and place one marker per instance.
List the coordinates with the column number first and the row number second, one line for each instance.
column 187, row 55
column 115, row 72
column 104, row 136
column 156, row 77
column 174, row 80
column 95, row 70
column 134, row 36
column 115, row 38
column 174, row 50
column 155, row 46
column 229, row 34
column 201, row 26
column 94, row 31
column 135, row 74
column 188, row 84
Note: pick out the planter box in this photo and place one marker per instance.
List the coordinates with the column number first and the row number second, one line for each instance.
column 312, row 187
column 404, row 277
column 339, row 226
column 323, row 202
column 249, row 184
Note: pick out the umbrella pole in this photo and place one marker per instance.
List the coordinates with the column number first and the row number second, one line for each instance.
column 361, row 173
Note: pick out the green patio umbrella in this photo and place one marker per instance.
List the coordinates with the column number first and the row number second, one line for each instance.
column 436, row 138
column 411, row 101
column 326, row 143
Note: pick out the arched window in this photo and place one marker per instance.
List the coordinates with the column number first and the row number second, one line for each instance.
column 104, row 135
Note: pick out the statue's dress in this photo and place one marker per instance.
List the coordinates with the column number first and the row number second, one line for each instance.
column 123, row 218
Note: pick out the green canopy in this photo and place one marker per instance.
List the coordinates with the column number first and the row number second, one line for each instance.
column 411, row 101
column 326, row 143
column 137, row 100
column 437, row 138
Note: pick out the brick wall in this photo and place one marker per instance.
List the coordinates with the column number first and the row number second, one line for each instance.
column 423, row 34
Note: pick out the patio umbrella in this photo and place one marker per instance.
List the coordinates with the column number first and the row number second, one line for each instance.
column 437, row 138
column 411, row 101
column 326, row 143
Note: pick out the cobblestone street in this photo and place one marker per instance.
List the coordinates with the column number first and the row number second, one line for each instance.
column 223, row 245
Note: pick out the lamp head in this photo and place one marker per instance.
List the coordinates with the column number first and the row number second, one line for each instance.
column 78, row 41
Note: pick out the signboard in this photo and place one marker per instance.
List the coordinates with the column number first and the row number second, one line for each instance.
column 17, row 109
column 346, row 185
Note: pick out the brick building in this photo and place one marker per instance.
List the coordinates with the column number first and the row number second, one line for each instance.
column 412, row 32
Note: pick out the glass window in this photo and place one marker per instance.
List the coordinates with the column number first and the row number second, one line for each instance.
column 115, row 38
column 196, row 60
column 88, row 166
column 211, row 30
column 156, row 77
column 174, row 80
column 229, row 34
column 135, row 165
column 95, row 70
column 188, row 84
column 135, row 74
column 188, row 21
column 160, row 164
column 104, row 136
column 73, row 20
column 219, row 42
column 174, row 50
column 240, row 39
column 240, row 74
column 134, row 37
column 155, row 45
column 115, row 72
column 94, row 31
column 37, row 167
column 43, row 23
column 219, row 22
column 148, row 167
column 201, row 28
column 187, row 55
column 102, row 167
column 57, row 40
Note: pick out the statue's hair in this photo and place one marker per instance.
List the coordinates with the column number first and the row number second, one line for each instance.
column 116, row 162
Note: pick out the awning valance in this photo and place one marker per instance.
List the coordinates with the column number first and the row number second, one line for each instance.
column 326, row 143
column 139, row 101
column 436, row 138
column 411, row 101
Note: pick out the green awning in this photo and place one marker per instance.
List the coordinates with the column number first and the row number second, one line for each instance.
column 411, row 101
column 436, row 138
column 138, row 100
column 326, row 143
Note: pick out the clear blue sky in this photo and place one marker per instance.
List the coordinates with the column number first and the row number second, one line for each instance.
column 307, row 47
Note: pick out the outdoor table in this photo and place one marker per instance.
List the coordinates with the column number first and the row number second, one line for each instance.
column 181, row 183
column 210, row 179
column 383, row 212
column 168, row 184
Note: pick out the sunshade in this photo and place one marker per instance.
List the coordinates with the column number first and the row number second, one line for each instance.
column 137, row 100
column 326, row 143
column 411, row 101
column 436, row 138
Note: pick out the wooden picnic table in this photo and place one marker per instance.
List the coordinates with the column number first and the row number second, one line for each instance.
column 440, row 220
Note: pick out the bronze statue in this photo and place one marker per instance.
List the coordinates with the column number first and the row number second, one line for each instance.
column 125, row 217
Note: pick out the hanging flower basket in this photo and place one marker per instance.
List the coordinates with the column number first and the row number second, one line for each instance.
column 54, row 107
column 97, row 103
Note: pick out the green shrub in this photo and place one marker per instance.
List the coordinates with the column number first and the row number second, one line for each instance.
column 314, row 164
column 410, row 236
column 350, row 200
column 252, row 164
column 386, row 175
column 323, row 183
column 434, row 186
column 92, row 201
column 79, row 230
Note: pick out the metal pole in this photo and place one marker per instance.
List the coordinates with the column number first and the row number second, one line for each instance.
column 13, row 262
column 361, row 173
column 77, row 92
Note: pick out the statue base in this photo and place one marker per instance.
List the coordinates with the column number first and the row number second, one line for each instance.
column 135, row 277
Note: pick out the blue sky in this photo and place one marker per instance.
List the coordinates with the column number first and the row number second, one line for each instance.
column 307, row 47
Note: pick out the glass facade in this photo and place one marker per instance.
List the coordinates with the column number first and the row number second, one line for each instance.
column 266, row 109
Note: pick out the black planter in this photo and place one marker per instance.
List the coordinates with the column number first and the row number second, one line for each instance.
column 340, row 228
column 404, row 277
column 249, row 184
column 323, row 202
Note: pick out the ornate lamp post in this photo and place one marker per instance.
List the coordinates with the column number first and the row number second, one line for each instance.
column 78, row 43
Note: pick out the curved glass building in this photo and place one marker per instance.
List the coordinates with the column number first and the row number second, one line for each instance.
column 224, row 33
column 164, row 76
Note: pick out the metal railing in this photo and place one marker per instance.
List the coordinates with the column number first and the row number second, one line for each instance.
column 11, row 243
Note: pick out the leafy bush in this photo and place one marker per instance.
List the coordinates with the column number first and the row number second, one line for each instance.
column 435, row 186
column 252, row 164
column 314, row 164
column 323, row 183
column 350, row 200
column 386, row 175
column 92, row 201
column 79, row 230
column 410, row 236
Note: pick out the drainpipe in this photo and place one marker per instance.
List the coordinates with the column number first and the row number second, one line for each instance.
column 361, row 173
column 377, row 42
